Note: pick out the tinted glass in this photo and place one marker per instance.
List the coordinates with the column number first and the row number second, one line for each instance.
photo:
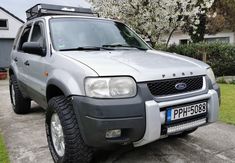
column 17, row 37
column 77, row 32
column 24, row 37
column 37, row 33
column 3, row 23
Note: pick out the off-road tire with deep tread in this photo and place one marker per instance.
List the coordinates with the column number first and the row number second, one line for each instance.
column 76, row 151
column 22, row 105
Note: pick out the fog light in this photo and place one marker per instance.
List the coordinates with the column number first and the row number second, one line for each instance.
column 113, row 133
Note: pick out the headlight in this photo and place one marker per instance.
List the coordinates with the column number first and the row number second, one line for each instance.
column 114, row 87
column 211, row 75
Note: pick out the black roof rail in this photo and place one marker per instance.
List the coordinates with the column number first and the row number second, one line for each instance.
column 48, row 9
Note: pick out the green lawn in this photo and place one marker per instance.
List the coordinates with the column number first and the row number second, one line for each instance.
column 227, row 109
column 3, row 152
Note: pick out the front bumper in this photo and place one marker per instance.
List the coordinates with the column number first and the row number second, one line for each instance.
column 97, row 116
column 141, row 118
column 154, row 123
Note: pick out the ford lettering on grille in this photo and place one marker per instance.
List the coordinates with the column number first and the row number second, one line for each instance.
column 181, row 86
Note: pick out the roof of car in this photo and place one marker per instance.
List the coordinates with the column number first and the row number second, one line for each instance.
column 74, row 16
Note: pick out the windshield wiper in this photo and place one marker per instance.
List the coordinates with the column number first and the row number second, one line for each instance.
column 82, row 48
column 122, row 46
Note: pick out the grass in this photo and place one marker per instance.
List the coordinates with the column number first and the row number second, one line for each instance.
column 227, row 109
column 3, row 152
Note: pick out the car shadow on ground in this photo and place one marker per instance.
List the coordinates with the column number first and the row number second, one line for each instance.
column 36, row 109
column 157, row 152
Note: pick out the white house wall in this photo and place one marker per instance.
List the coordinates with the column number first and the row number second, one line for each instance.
column 177, row 36
column 13, row 26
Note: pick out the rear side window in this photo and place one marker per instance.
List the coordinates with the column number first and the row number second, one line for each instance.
column 24, row 37
column 17, row 38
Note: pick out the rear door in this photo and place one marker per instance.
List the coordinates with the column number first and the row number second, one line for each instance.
column 18, row 56
column 34, row 67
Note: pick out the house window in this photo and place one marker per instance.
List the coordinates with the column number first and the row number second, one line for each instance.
column 3, row 24
column 218, row 39
column 184, row 41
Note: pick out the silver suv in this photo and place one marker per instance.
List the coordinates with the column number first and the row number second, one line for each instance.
column 103, row 86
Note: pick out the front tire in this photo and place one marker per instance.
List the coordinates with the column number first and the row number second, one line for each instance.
column 75, row 149
column 20, row 105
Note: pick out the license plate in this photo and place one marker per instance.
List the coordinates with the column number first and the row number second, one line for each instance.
column 182, row 112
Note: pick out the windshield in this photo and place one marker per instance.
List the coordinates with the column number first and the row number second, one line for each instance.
column 79, row 33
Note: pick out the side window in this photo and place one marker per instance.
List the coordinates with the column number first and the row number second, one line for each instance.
column 37, row 34
column 17, row 38
column 24, row 37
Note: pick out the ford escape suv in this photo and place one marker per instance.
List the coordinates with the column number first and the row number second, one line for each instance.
column 102, row 86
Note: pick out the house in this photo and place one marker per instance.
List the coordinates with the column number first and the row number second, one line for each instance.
column 9, row 25
column 182, row 38
column 179, row 37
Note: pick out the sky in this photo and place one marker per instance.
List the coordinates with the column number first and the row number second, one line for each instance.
column 18, row 7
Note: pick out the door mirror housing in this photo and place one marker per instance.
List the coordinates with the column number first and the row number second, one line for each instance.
column 34, row 48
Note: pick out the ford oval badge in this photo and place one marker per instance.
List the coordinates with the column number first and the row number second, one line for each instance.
column 181, row 86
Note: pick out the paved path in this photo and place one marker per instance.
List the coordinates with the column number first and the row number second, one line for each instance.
column 26, row 141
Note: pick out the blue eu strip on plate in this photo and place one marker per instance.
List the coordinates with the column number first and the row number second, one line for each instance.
column 169, row 114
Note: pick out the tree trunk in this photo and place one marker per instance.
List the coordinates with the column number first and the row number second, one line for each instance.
column 169, row 38
column 204, row 57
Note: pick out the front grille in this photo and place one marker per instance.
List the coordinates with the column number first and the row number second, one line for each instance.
column 168, row 87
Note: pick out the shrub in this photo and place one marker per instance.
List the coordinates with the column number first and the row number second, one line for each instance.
column 220, row 56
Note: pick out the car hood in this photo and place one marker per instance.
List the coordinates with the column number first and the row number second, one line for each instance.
column 142, row 65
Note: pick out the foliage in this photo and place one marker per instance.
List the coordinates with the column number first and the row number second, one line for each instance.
column 198, row 34
column 220, row 56
column 221, row 16
column 227, row 109
column 152, row 18
column 161, row 47
column 3, row 152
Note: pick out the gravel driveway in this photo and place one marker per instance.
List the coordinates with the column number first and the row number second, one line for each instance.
column 26, row 141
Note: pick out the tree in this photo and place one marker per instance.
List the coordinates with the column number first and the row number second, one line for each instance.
column 197, row 34
column 221, row 16
column 153, row 18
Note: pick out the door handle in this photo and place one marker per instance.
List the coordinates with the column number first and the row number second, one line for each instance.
column 26, row 63
column 16, row 59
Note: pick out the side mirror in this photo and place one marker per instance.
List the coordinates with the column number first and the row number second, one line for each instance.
column 34, row 48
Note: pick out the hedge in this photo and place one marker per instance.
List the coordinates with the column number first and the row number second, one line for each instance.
column 220, row 56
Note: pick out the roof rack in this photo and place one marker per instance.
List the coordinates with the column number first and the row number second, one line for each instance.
column 48, row 9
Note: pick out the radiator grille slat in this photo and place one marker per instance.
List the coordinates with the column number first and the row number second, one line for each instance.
column 168, row 87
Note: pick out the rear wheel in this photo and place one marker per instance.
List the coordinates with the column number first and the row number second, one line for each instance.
column 64, row 138
column 20, row 104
